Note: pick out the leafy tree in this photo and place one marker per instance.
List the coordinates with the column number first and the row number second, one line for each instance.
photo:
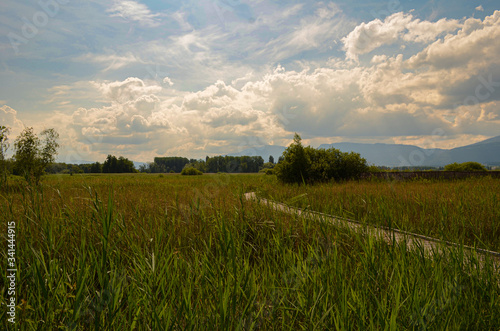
column 232, row 164
column 268, row 165
column 196, row 164
column 295, row 165
column 117, row 165
column 191, row 172
column 324, row 164
column 351, row 166
column 374, row 168
column 466, row 166
column 165, row 164
column 271, row 159
column 74, row 169
column 56, row 168
column 307, row 165
column 268, row 171
column 95, row 168
column 109, row 166
column 4, row 145
column 153, row 167
column 32, row 154
column 125, row 165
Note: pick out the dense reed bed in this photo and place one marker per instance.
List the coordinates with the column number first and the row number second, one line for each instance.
column 182, row 253
column 465, row 211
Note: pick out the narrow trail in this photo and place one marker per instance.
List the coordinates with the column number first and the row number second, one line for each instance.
column 430, row 245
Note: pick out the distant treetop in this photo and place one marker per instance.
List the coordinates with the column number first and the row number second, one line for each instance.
column 466, row 166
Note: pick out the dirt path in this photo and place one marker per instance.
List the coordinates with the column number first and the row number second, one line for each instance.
column 430, row 245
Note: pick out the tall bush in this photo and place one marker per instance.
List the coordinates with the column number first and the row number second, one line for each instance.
column 308, row 165
column 118, row 165
column 295, row 166
column 466, row 166
column 4, row 145
column 191, row 172
column 33, row 155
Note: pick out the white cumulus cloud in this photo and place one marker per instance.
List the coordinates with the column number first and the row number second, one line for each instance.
column 367, row 37
column 8, row 118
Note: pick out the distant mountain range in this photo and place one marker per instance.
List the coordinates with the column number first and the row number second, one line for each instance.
column 395, row 155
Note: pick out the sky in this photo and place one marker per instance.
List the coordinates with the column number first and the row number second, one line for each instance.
column 142, row 79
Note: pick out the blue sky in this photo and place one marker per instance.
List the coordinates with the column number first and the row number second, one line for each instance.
column 194, row 78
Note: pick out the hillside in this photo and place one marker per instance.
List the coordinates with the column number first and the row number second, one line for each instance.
column 397, row 155
column 392, row 155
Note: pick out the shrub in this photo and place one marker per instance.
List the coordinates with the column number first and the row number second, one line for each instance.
column 191, row 172
column 295, row 164
column 118, row 165
column 4, row 145
column 268, row 165
column 268, row 171
column 33, row 154
column 374, row 168
column 308, row 165
column 334, row 164
column 466, row 166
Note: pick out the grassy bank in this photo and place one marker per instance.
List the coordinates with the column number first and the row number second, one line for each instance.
column 173, row 252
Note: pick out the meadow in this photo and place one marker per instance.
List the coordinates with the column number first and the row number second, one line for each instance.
column 464, row 211
column 171, row 252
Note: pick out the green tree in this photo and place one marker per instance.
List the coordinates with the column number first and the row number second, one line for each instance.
column 96, row 168
column 271, row 159
column 110, row 165
column 191, row 172
column 196, row 164
column 466, row 166
column 295, row 165
column 118, row 165
column 325, row 164
column 268, row 165
column 74, row 169
column 165, row 164
column 308, row 165
column 125, row 165
column 351, row 166
column 4, row 146
column 32, row 154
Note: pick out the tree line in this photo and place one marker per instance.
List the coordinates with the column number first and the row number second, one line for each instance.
column 169, row 164
column 215, row 164
column 112, row 165
column 35, row 155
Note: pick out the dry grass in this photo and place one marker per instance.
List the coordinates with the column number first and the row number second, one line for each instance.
column 461, row 211
column 150, row 252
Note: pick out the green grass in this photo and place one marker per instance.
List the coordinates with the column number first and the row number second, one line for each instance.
column 188, row 253
column 461, row 211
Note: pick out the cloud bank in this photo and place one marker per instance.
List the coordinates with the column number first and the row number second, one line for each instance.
column 377, row 89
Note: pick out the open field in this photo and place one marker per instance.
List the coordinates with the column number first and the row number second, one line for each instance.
column 173, row 252
column 463, row 211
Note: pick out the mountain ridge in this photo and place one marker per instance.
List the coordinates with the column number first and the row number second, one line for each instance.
column 400, row 155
